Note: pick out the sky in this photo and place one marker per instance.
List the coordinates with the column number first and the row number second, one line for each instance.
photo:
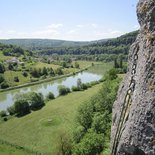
column 77, row 20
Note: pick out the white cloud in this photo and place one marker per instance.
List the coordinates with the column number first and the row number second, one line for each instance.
column 11, row 32
column 79, row 32
column 94, row 25
column 72, row 31
column 54, row 26
column 109, row 33
column 80, row 26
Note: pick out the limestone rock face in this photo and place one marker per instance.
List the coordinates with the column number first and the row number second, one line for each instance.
column 133, row 120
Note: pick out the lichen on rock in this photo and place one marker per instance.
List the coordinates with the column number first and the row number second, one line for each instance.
column 133, row 122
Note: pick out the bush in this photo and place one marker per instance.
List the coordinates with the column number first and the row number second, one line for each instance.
column 74, row 88
column 85, row 114
column 112, row 74
column 93, row 83
column 50, row 96
column 4, row 85
column 63, row 90
column 78, row 134
column 25, row 74
column 64, row 144
column 2, row 68
column 84, row 86
column 21, row 107
column 5, row 119
column 1, row 79
column 11, row 110
column 3, row 113
column 16, row 79
column 91, row 144
column 35, row 100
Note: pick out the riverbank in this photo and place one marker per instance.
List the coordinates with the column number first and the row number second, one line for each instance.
column 44, row 80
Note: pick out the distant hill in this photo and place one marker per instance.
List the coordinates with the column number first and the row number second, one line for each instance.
column 50, row 46
column 118, row 45
column 38, row 44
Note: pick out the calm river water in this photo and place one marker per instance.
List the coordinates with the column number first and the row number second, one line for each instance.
column 7, row 98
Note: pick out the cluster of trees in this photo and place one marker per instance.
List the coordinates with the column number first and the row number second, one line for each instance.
column 25, row 103
column 12, row 50
column 94, row 119
column 119, row 65
column 45, row 71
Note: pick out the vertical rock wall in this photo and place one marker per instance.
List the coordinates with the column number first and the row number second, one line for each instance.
column 133, row 121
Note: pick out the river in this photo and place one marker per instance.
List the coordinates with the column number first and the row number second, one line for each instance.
column 7, row 98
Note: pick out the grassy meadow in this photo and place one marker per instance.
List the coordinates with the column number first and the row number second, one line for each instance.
column 39, row 131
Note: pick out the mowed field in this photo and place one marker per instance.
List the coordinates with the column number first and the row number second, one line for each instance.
column 39, row 131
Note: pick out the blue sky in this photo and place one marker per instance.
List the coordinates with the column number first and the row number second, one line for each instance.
column 67, row 19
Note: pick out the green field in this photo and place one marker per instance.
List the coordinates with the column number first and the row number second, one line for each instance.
column 10, row 150
column 39, row 130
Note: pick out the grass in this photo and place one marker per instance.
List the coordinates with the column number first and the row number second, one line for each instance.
column 9, row 150
column 41, row 65
column 84, row 64
column 3, row 57
column 9, row 76
column 39, row 130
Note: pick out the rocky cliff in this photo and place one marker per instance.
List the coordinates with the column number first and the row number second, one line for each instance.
column 133, row 120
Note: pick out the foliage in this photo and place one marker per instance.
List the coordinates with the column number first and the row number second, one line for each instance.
column 2, row 68
column 59, row 71
column 63, row 90
column 11, row 110
column 112, row 74
column 64, row 145
column 35, row 100
column 4, row 85
column 117, row 46
column 50, row 96
column 3, row 113
column 1, row 78
column 91, row 144
column 94, row 119
column 21, row 107
column 16, row 79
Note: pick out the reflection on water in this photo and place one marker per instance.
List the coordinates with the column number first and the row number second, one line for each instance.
column 7, row 98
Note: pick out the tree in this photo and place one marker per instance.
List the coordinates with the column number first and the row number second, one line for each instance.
column 64, row 145
column 21, row 107
column 91, row 144
column 2, row 68
column 85, row 114
column 79, row 84
column 63, row 90
column 35, row 100
column 77, row 65
column 116, row 65
column 50, row 96
column 3, row 113
column 35, row 73
column 11, row 110
column 16, row 79
column 1, row 79
column 51, row 71
column 4, row 85
column 59, row 71
column 45, row 72
column 10, row 67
